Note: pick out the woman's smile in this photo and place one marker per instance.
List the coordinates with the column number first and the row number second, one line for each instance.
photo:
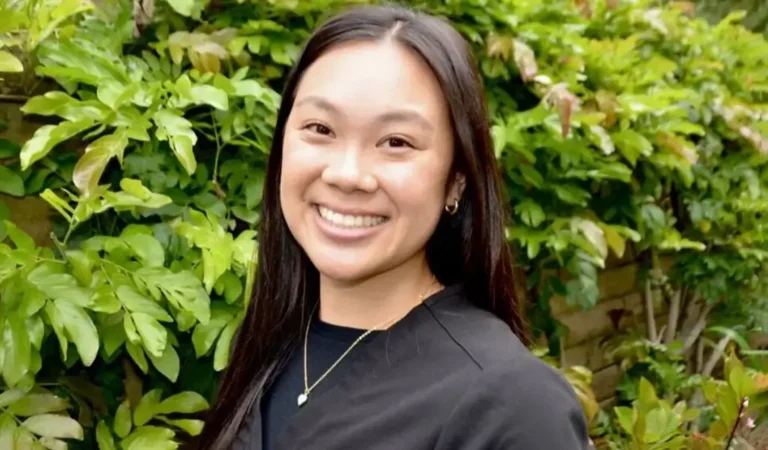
column 346, row 228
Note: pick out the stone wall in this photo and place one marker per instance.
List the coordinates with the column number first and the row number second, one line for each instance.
column 32, row 214
column 619, row 307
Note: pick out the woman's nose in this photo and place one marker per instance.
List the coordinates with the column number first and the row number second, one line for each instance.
column 348, row 171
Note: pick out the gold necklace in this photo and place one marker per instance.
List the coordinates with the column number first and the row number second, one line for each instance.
column 304, row 396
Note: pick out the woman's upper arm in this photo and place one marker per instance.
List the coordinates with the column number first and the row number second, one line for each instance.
column 525, row 405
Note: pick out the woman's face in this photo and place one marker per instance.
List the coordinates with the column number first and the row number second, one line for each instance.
column 367, row 153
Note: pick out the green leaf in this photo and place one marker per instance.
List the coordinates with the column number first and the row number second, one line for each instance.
column 183, row 289
column 104, row 301
column 7, row 431
column 8, row 149
column 35, row 330
column 53, row 443
column 17, row 350
column 248, row 88
column 123, row 421
column 26, row 440
column 34, row 404
column 647, row 395
column 624, row 415
column 137, row 354
column 209, row 95
column 204, row 336
column 229, row 285
column 90, row 166
column 58, row 327
column 11, row 182
column 183, row 7
column 135, row 302
column 223, row 346
column 104, row 437
column 531, row 213
column 632, row 145
column 54, row 426
column 10, row 397
column 20, row 239
column 150, row 438
column 130, row 330
column 178, row 132
column 114, row 94
column 147, row 407
column 153, row 335
column 47, row 136
column 185, row 402
column 81, row 329
column 168, row 364
column 58, row 204
column 10, row 63
column 51, row 280
column 571, row 194
column 193, row 427
column 146, row 247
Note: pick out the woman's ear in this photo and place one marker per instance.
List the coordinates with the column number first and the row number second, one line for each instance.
column 456, row 189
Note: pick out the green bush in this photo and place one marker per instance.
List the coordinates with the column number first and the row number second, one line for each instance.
column 615, row 123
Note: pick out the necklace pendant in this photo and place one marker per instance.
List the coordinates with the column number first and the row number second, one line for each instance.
column 302, row 399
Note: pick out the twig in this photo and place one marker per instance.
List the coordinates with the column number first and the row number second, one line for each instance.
column 717, row 353
column 648, row 306
column 13, row 98
column 744, row 403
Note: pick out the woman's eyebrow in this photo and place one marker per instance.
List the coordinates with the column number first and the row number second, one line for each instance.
column 399, row 115
column 318, row 102
column 404, row 115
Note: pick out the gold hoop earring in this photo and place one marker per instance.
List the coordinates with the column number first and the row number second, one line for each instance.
column 452, row 209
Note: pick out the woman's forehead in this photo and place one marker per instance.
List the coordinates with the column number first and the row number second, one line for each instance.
column 373, row 76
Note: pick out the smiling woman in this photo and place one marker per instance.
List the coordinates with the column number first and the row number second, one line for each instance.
column 383, row 315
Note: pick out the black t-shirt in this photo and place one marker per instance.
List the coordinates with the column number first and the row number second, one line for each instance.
column 326, row 343
column 448, row 376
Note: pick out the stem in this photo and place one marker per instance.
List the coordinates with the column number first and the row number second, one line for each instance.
column 717, row 353
column 736, row 424
column 697, row 328
column 218, row 150
column 648, row 306
column 674, row 317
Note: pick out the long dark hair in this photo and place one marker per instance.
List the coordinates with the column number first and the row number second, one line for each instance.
column 468, row 247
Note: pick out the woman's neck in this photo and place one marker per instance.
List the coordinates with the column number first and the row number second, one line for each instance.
column 387, row 296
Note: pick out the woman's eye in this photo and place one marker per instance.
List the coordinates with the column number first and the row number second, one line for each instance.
column 319, row 129
column 397, row 142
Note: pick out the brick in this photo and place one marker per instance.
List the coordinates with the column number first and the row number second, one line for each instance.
column 612, row 283
column 587, row 325
column 32, row 215
column 605, row 381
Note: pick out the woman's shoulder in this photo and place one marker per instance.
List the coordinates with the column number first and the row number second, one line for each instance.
column 514, row 400
column 485, row 338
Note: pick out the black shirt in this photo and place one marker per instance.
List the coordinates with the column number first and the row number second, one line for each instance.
column 448, row 376
column 326, row 343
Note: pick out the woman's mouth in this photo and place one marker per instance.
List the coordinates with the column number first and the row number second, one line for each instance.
column 349, row 221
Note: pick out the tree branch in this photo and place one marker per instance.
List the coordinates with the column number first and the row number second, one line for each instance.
column 650, row 318
column 674, row 317
column 717, row 353
column 699, row 355
column 698, row 327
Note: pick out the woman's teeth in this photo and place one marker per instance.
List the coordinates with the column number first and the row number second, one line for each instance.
column 344, row 220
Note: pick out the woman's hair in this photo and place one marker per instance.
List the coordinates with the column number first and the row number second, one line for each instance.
column 468, row 247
